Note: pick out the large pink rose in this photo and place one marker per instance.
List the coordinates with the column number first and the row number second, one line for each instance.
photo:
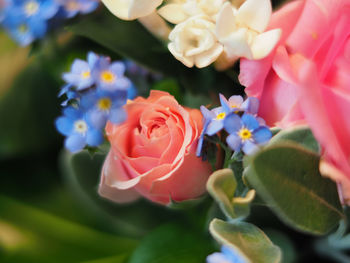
column 307, row 77
column 153, row 153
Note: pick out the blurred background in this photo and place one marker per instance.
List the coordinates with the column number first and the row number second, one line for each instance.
column 49, row 207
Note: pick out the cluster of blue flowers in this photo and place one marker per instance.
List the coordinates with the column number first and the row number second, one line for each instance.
column 95, row 92
column 227, row 255
column 27, row 20
column 239, row 118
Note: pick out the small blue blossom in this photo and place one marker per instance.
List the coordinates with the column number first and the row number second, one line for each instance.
column 110, row 76
column 237, row 104
column 80, row 75
column 26, row 20
column 103, row 106
column 207, row 117
column 75, row 125
column 245, row 133
column 216, row 123
column 227, row 255
column 74, row 7
column 70, row 93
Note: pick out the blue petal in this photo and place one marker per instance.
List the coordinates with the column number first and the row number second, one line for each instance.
column 64, row 89
column 262, row 135
column 232, row 123
column 88, row 100
column 48, row 9
column 251, row 105
column 132, row 92
column 37, row 26
column 236, row 101
column 232, row 255
column 224, row 103
column 117, row 115
column 201, row 138
column 207, row 114
column 75, row 143
column 97, row 119
column 234, row 142
column 72, row 113
column 249, row 147
column 92, row 58
column 94, row 138
column 218, row 258
column 80, row 66
column 118, row 68
column 123, row 83
column 250, row 122
column 214, row 127
column 64, row 125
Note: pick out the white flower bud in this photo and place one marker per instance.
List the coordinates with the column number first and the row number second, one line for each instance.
column 177, row 11
column 242, row 31
column 193, row 42
column 131, row 9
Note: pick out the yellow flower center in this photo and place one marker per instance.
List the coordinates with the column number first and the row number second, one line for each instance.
column 31, row 8
column 85, row 74
column 22, row 28
column 245, row 134
column 107, row 76
column 104, row 104
column 80, row 126
column 221, row 116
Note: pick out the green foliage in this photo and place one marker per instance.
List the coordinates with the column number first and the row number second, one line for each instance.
column 287, row 178
column 248, row 240
column 222, row 186
column 301, row 135
column 172, row 244
column 27, row 111
column 82, row 173
column 128, row 39
column 30, row 235
column 171, row 86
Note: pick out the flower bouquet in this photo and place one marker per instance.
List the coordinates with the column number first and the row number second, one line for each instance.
column 194, row 131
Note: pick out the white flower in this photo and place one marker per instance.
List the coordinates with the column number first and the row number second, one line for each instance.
column 193, row 42
column 242, row 31
column 132, row 9
column 177, row 11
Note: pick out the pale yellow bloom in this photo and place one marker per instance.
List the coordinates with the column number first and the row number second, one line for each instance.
column 193, row 42
column 131, row 9
column 241, row 31
column 177, row 11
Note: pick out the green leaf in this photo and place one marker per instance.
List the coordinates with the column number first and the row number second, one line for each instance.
column 299, row 134
column 28, row 110
column 171, row 86
column 289, row 254
column 30, row 235
column 128, row 39
column 172, row 244
column 222, row 186
column 81, row 172
column 249, row 241
column 286, row 177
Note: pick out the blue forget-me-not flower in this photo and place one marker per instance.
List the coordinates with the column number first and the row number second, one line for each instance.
column 80, row 75
column 231, row 110
column 73, row 7
column 75, row 125
column 105, row 106
column 245, row 133
column 227, row 255
column 26, row 20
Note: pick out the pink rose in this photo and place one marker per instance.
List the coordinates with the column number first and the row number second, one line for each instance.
column 153, row 153
column 307, row 77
